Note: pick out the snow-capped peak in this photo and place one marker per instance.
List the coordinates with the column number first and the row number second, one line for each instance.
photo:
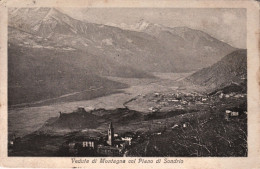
column 142, row 25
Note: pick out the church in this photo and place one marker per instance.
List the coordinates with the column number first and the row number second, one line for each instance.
column 110, row 135
column 94, row 147
column 113, row 147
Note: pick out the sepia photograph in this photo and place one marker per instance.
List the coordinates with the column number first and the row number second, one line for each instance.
column 127, row 82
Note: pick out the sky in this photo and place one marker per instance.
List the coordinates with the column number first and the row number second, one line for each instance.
column 227, row 25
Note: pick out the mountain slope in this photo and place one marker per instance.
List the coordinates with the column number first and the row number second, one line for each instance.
column 156, row 48
column 193, row 48
column 38, row 74
column 230, row 69
column 190, row 48
column 83, row 59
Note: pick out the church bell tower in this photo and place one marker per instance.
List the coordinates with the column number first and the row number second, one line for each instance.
column 110, row 134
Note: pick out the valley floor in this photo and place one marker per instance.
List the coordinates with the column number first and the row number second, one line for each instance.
column 165, row 120
column 25, row 120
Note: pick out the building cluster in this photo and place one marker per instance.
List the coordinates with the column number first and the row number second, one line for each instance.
column 221, row 95
column 176, row 100
column 114, row 145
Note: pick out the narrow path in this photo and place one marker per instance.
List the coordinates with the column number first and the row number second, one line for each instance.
column 145, row 150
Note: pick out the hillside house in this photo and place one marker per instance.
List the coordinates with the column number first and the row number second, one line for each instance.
column 174, row 100
column 227, row 96
column 12, row 140
column 109, row 150
column 204, row 99
column 239, row 96
column 83, row 146
column 175, row 126
column 230, row 113
column 221, row 95
column 120, row 143
column 88, row 144
column 184, row 102
column 234, row 114
column 127, row 140
column 72, row 148
column 153, row 109
column 156, row 94
column 184, row 125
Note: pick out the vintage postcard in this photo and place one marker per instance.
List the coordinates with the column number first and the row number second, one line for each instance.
column 129, row 84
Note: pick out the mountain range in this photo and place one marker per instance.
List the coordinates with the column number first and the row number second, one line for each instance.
column 48, row 48
column 147, row 50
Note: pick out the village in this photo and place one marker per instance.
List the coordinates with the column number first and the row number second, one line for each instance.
column 166, row 102
column 118, row 144
column 113, row 145
column 171, row 113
